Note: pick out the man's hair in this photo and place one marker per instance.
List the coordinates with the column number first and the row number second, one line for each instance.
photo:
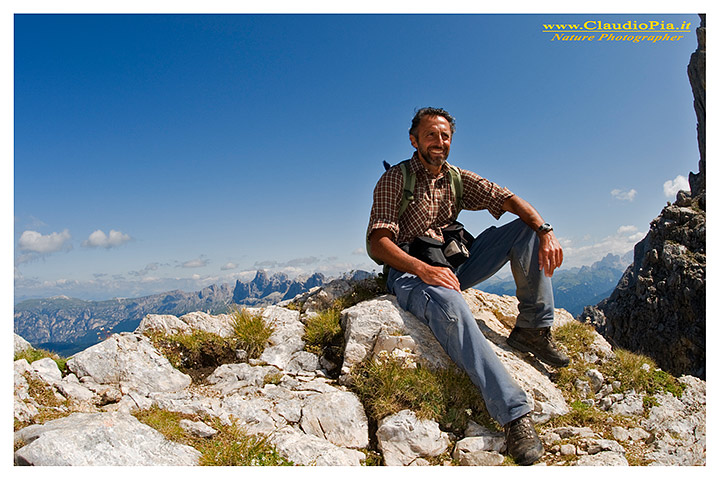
column 430, row 112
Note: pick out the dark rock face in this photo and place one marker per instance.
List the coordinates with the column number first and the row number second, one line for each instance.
column 658, row 307
column 696, row 74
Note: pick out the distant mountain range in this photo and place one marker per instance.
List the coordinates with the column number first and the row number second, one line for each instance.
column 68, row 325
column 575, row 288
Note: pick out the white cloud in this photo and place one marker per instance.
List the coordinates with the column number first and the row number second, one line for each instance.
column 621, row 242
column 672, row 187
column 624, row 195
column 229, row 266
column 99, row 239
column 32, row 241
column 359, row 251
column 625, row 229
column 196, row 263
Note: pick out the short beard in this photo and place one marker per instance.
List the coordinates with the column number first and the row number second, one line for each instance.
column 434, row 161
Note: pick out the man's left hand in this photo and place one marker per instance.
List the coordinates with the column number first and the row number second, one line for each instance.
column 550, row 254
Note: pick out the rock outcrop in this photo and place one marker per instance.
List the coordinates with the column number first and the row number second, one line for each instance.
column 310, row 418
column 658, row 307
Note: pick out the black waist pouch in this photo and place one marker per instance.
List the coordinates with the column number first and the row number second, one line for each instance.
column 451, row 253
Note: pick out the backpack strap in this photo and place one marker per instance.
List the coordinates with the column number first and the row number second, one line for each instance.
column 456, row 186
column 408, row 194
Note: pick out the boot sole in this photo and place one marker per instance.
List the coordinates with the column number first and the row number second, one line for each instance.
column 524, row 348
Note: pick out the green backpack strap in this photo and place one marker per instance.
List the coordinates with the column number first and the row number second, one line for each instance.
column 408, row 194
column 456, row 186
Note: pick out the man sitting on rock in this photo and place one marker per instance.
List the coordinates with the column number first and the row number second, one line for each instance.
column 432, row 292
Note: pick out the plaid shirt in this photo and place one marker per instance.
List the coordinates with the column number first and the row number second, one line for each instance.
column 434, row 206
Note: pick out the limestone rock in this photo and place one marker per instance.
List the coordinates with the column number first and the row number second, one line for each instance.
column 194, row 321
column 678, row 426
column 481, row 458
column 46, row 370
column 99, row 439
column 490, row 442
column 605, row 458
column 286, row 340
column 20, row 344
column 337, row 417
column 198, row 429
column 71, row 387
column 403, row 437
column 130, row 361
column 304, row 449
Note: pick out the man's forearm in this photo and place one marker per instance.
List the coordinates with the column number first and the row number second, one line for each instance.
column 524, row 210
column 384, row 249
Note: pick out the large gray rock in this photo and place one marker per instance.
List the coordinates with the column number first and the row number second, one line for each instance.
column 99, row 439
column 130, row 361
column 286, row 339
column 46, row 369
column 194, row 321
column 302, row 449
column 337, row 417
column 403, row 438
column 678, row 426
column 371, row 322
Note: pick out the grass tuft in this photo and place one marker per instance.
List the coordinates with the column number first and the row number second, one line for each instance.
column 197, row 353
column 446, row 396
column 324, row 336
column 251, row 332
column 231, row 446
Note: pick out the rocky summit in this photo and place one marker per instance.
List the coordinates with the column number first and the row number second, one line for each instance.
column 305, row 404
column 659, row 306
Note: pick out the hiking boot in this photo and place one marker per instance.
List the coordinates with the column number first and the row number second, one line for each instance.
column 522, row 441
column 539, row 342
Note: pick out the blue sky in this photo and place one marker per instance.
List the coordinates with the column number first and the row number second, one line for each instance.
column 154, row 152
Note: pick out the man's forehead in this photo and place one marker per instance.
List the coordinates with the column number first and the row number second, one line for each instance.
column 431, row 121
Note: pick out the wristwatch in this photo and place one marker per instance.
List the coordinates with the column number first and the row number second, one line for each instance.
column 544, row 228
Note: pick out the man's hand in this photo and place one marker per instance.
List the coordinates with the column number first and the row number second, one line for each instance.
column 440, row 276
column 384, row 249
column 550, row 254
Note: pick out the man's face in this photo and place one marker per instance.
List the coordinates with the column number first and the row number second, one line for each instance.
column 433, row 140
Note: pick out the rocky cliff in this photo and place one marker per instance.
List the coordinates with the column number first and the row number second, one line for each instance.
column 589, row 413
column 658, row 307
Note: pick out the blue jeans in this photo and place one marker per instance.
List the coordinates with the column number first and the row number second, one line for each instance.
column 449, row 317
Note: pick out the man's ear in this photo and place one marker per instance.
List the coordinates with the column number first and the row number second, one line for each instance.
column 413, row 141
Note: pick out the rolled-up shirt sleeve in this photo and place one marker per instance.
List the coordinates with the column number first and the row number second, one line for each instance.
column 386, row 202
column 480, row 193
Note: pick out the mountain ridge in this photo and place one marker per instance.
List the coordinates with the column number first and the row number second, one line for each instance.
column 67, row 325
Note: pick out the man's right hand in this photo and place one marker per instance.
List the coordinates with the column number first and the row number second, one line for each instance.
column 384, row 249
column 440, row 276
